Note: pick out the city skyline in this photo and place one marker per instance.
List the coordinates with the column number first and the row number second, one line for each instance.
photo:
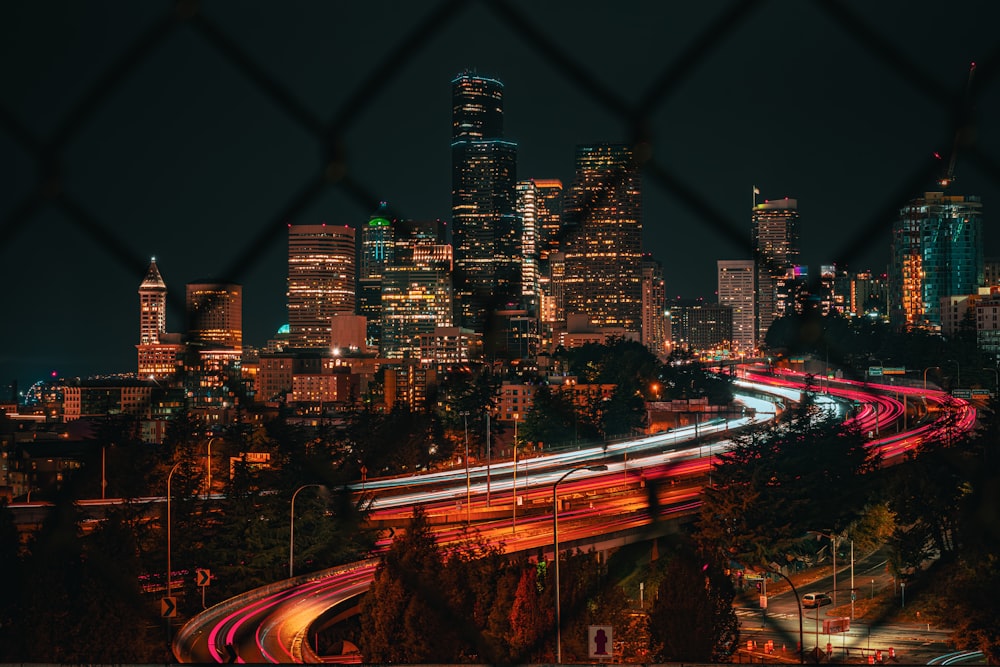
column 189, row 160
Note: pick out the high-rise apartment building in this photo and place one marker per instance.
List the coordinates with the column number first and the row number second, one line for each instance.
column 417, row 296
column 159, row 352
column 604, row 238
column 215, row 314
column 775, row 241
column 152, row 306
column 321, row 281
column 378, row 248
column 735, row 289
column 527, row 211
column 869, row 295
column 548, row 215
column 937, row 252
column 654, row 331
column 486, row 233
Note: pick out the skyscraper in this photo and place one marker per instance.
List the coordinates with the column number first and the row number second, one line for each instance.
column 152, row 306
column 735, row 287
column 486, row 231
column 417, row 295
column 604, row 238
column 215, row 314
column 775, row 237
column 378, row 246
column 320, row 281
column 937, row 252
column 527, row 212
column 158, row 351
column 654, row 332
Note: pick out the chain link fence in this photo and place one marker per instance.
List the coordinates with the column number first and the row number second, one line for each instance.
column 263, row 141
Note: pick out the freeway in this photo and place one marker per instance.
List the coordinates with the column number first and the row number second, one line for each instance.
column 271, row 624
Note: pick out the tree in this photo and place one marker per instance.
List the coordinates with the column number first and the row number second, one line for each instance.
column 405, row 616
column 775, row 484
column 692, row 618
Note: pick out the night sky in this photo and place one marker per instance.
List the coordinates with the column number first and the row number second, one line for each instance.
column 200, row 161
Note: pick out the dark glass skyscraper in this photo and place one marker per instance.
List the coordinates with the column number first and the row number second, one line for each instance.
column 937, row 252
column 604, row 229
column 486, row 232
column 775, row 239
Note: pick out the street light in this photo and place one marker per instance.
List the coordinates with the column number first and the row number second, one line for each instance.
column 291, row 530
column 798, row 601
column 170, row 476
column 208, row 466
column 468, row 479
column 925, row 375
column 958, row 372
column 996, row 377
column 555, row 546
column 513, row 484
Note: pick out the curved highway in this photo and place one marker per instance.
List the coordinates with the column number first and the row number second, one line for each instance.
column 271, row 624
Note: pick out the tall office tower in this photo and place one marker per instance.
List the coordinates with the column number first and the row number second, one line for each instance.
column 654, row 329
column 775, row 238
column 991, row 272
column 158, row 351
column 527, row 196
column 604, row 238
column 417, row 296
column 869, row 295
column 486, row 235
column 735, row 288
column 215, row 314
column 700, row 327
column 320, row 281
column 548, row 215
column 378, row 248
column 937, row 252
column 152, row 306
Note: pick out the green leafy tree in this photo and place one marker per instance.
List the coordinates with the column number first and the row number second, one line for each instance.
column 531, row 621
column 692, row 618
column 552, row 419
column 765, row 491
column 405, row 616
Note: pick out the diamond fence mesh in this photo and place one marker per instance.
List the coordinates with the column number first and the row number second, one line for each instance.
column 76, row 202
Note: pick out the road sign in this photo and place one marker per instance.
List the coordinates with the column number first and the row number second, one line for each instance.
column 961, row 393
column 981, row 393
column 599, row 641
column 875, row 371
column 763, row 602
column 168, row 606
column 835, row 625
column 894, row 370
column 202, row 577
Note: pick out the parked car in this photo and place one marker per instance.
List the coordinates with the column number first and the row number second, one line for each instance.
column 810, row 600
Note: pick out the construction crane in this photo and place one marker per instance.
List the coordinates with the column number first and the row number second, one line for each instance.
column 961, row 127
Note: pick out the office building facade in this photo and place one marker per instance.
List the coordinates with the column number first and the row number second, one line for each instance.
column 937, row 252
column 735, row 289
column 321, row 281
column 603, row 214
column 486, row 233
column 775, row 242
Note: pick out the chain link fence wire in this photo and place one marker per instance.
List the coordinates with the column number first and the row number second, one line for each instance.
column 55, row 188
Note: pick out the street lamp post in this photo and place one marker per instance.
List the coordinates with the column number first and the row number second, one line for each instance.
column 798, row 601
column 170, row 476
column 925, row 375
column 208, row 468
column 555, row 546
column 468, row 479
column 996, row 378
column 488, row 459
column 291, row 531
column 513, row 484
